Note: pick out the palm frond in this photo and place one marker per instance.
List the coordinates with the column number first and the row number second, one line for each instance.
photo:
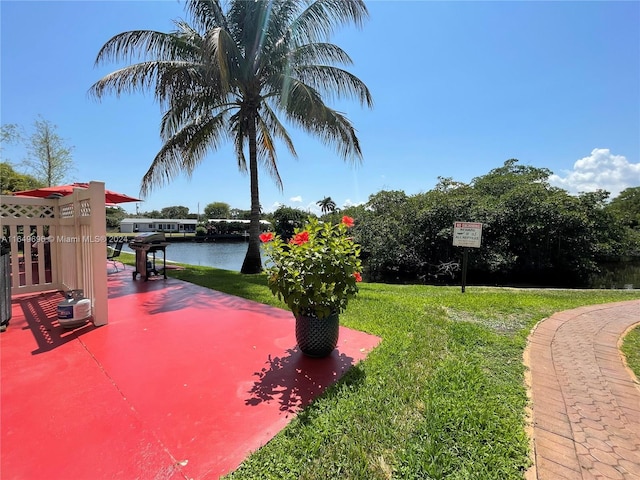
column 183, row 109
column 319, row 53
column 186, row 82
column 285, row 12
column 320, row 19
column 134, row 78
column 247, row 20
column 334, row 82
column 223, row 59
column 143, row 44
column 189, row 36
column 206, row 14
column 267, row 152
column 337, row 131
column 183, row 152
column 304, row 106
column 207, row 136
column 237, row 126
column 271, row 121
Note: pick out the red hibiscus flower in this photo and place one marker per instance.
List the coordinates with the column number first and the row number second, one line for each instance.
column 266, row 237
column 300, row 238
column 357, row 276
column 348, row 221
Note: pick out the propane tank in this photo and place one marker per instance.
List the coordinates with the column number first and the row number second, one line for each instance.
column 74, row 310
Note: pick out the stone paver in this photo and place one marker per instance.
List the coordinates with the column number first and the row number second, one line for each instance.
column 585, row 402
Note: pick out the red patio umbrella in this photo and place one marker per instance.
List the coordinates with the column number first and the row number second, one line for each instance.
column 111, row 197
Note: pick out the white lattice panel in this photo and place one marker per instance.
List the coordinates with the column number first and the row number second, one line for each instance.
column 9, row 210
column 85, row 208
column 67, row 210
column 51, row 244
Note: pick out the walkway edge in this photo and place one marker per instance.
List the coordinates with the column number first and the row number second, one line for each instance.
column 584, row 401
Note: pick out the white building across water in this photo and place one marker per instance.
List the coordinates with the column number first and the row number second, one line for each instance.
column 169, row 225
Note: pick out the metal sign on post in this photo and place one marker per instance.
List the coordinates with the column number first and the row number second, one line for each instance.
column 466, row 234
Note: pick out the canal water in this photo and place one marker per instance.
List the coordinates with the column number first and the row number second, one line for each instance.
column 229, row 256
column 618, row 275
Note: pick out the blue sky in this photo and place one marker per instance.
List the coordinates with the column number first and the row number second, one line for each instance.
column 459, row 87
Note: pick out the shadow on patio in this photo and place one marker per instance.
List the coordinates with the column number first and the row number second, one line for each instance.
column 294, row 380
column 40, row 313
column 182, row 382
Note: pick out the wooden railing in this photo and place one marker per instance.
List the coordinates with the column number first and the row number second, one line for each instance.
column 59, row 244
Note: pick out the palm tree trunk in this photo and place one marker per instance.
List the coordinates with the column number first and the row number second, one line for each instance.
column 252, row 261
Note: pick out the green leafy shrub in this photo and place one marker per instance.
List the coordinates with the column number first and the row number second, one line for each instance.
column 315, row 273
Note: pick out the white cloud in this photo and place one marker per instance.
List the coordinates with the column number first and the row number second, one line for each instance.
column 295, row 202
column 348, row 203
column 313, row 208
column 600, row 170
column 274, row 206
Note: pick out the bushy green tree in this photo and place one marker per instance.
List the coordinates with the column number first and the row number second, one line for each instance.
column 13, row 181
column 115, row 216
column 176, row 211
column 354, row 211
column 626, row 207
column 217, row 210
column 150, row 214
column 384, row 232
column 533, row 233
column 286, row 219
column 240, row 214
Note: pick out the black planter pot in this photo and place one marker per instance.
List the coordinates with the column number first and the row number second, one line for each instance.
column 317, row 337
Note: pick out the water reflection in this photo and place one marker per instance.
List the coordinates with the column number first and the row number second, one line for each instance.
column 624, row 274
column 228, row 256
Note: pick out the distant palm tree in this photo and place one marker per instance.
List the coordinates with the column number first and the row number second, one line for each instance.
column 327, row 205
column 228, row 75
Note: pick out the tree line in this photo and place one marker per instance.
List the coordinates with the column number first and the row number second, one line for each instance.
column 533, row 233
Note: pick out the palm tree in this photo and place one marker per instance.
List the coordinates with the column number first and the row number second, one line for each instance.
column 326, row 205
column 229, row 74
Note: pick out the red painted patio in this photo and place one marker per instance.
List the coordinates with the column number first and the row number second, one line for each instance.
column 183, row 383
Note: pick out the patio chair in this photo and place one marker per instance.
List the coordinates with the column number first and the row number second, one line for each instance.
column 113, row 252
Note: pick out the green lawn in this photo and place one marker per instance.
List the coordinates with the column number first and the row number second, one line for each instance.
column 441, row 397
column 631, row 350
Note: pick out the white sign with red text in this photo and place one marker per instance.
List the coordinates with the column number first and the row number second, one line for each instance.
column 467, row 234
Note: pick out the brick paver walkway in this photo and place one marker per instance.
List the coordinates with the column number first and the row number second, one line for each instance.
column 586, row 403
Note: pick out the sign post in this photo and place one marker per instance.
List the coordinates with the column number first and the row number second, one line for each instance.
column 465, row 261
column 466, row 234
